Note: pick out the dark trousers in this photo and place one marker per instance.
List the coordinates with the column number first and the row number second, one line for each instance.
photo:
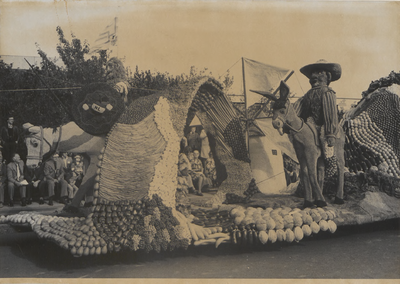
column 11, row 188
column 56, row 190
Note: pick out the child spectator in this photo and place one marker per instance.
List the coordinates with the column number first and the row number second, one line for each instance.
column 209, row 170
column 67, row 161
column 71, row 187
column 197, row 173
column 78, row 168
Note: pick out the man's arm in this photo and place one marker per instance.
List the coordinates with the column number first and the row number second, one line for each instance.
column 330, row 115
column 10, row 176
column 48, row 171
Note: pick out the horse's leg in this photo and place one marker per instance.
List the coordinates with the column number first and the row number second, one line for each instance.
column 311, row 160
column 304, row 179
column 339, row 152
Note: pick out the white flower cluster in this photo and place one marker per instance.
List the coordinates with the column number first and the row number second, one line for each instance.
column 182, row 231
column 164, row 182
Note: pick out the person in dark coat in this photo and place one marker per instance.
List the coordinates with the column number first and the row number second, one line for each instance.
column 35, row 178
column 193, row 139
column 3, row 178
column 9, row 139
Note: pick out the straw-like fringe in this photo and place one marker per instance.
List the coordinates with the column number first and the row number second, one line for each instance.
column 128, row 165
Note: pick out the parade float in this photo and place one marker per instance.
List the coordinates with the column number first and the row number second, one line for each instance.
column 135, row 205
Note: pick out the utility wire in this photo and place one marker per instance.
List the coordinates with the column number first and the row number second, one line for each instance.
column 229, row 69
column 66, row 88
column 297, row 78
column 46, row 89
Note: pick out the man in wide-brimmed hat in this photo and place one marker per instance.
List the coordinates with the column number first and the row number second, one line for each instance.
column 318, row 105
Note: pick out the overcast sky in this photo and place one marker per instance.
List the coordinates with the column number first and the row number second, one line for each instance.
column 172, row 36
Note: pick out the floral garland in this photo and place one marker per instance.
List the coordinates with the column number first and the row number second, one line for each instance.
column 164, row 182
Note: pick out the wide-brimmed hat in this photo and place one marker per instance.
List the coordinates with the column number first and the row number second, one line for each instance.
column 334, row 68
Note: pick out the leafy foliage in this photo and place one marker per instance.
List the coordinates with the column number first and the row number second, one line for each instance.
column 50, row 108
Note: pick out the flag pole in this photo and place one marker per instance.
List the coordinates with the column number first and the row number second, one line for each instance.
column 115, row 32
column 245, row 109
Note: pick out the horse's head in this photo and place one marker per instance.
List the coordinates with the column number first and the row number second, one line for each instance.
column 280, row 107
column 36, row 143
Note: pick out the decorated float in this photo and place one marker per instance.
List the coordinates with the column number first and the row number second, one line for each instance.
column 138, row 203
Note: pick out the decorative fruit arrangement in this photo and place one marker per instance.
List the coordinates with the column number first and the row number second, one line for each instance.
column 257, row 225
column 373, row 136
column 211, row 218
column 252, row 189
column 233, row 198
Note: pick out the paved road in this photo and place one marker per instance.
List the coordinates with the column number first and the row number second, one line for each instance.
column 368, row 251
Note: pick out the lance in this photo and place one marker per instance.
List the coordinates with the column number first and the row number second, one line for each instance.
column 51, row 91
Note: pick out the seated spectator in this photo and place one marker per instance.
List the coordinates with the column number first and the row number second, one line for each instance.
column 3, row 178
column 78, row 168
column 71, row 187
column 209, row 170
column 197, row 173
column 15, row 176
column 34, row 177
column 54, row 174
column 190, row 156
column 184, row 177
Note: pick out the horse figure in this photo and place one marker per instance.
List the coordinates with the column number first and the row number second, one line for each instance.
column 66, row 138
column 305, row 142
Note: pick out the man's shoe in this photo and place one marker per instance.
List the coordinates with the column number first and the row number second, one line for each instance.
column 41, row 201
column 308, row 204
column 1, row 204
column 11, row 204
column 88, row 204
column 29, row 202
column 23, row 202
column 320, row 203
column 338, row 201
column 51, row 202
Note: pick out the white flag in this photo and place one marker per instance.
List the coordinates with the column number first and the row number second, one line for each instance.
column 107, row 38
column 261, row 77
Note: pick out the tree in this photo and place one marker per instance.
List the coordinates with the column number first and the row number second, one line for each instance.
column 77, row 70
column 43, row 107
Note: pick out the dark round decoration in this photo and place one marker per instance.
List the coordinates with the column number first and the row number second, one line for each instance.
column 96, row 108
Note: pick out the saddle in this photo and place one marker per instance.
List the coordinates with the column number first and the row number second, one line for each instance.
column 315, row 130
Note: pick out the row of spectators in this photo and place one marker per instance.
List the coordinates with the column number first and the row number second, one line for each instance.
column 196, row 166
column 58, row 178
